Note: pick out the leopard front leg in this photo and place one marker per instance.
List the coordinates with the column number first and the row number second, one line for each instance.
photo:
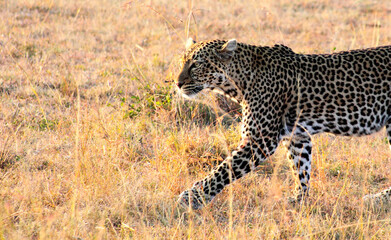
column 260, row 137
column 242, row 161
column 299, row 150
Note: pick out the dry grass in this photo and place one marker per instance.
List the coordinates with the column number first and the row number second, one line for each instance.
column 95, row 145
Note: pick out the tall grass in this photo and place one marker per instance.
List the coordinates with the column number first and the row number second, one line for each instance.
column 96, row 144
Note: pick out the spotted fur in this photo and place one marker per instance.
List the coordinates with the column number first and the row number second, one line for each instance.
column 287, row 97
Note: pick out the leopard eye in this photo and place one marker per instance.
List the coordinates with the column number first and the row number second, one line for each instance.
column 193, row 64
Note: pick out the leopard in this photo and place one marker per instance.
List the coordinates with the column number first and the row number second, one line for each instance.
column 286, row 97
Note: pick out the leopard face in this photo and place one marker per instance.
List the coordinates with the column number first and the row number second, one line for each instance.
column 205, row 66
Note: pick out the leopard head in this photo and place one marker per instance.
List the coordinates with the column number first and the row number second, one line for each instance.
column 205, row 65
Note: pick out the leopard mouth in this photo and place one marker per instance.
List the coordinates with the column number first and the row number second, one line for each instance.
column 190, row 91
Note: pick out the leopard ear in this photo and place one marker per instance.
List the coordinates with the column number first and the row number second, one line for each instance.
column 228, row 49
column 189, row 43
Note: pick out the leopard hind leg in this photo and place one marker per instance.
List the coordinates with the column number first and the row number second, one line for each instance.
column 383, row 197
column 299, row 150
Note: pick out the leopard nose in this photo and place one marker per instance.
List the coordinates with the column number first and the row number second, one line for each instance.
column 179, row 84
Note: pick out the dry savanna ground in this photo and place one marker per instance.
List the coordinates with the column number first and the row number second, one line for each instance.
column 95, row 144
